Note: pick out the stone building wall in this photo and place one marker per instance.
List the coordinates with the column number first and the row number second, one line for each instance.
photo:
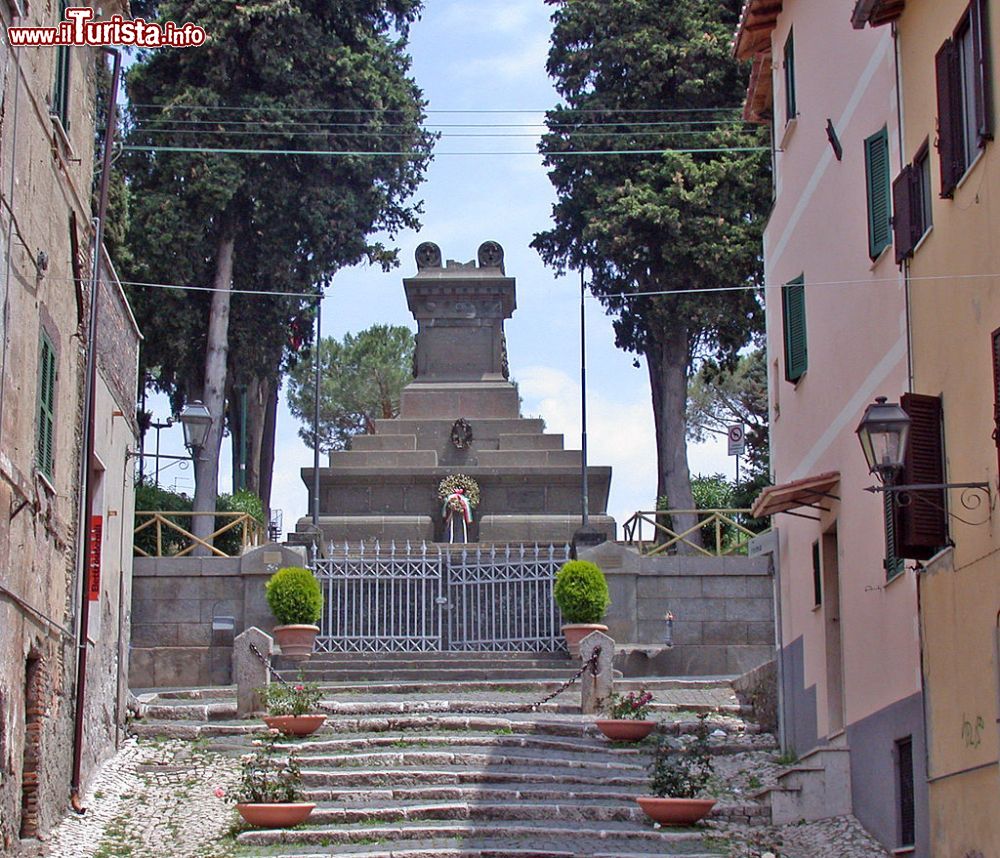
column 46, row 174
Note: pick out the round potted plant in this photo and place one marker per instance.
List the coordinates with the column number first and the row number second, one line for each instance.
column 295, row 599
column 291, row 708
column 678, row 780
column 628, row 721
column 582, row 595
column 269, row 793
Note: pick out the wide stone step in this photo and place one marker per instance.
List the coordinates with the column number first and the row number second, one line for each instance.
column 374, row 796
column 368, row 443
column 621, row 834
column 575, row 745
column 469, row 847
column 472, row 757
column 406, row 776
column 423, row 674
column 531, row 442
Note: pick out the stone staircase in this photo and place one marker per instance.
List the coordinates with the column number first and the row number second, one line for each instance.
column 446, row 761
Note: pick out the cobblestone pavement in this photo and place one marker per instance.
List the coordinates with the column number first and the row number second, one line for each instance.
column 155, row 800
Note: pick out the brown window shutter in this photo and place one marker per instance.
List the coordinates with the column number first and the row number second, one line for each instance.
column 984, row 81
column 949, row 116
column 923, row 522
column 902, row 214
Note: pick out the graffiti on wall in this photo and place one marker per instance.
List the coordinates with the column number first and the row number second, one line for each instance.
column 972, row 735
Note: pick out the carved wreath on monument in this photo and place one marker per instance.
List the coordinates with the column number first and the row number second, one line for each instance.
column 460, row 494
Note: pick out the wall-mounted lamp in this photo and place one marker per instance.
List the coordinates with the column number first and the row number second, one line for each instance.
column 196, row 420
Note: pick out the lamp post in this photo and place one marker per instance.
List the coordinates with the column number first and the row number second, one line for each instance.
column 196, row 421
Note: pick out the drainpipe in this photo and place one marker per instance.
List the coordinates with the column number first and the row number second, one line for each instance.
column 88, row 436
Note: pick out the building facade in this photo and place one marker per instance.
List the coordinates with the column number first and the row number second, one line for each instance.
column 47, row 128
column 851, row 699
column 947, row 221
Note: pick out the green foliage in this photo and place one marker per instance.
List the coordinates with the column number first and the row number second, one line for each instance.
column 361, row 378
column 581, row 592
column 312, row 75
column 151, row 498
column 299, row 698
column 685, row 772
column 266, row 776
column 633, row 706
column 662, row 219
column 294, row 596
column 720, row 394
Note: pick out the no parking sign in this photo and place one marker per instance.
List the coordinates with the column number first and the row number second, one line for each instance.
column 737, row 439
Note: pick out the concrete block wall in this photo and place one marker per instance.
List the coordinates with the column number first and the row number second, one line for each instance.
column 723, row 610
column 174, row 601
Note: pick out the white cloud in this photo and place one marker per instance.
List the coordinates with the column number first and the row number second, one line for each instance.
column 525, row 60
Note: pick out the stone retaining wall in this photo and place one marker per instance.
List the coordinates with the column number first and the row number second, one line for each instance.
column 723, row 610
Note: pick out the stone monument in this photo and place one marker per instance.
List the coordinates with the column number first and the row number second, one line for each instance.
column 459, row 415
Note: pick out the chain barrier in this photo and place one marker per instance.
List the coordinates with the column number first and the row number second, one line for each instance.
column 590, row 664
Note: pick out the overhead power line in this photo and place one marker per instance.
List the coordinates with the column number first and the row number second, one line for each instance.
column 411, row 154
column 470, row 111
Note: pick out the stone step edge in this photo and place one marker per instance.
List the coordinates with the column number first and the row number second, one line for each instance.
column 464, row 851
column 335, row 835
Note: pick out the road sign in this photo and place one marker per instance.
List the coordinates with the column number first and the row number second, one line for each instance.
column 737, row 439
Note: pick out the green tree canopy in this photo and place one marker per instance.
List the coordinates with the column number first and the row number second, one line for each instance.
column 361, row 378
column 680, row 210
column 290, row 77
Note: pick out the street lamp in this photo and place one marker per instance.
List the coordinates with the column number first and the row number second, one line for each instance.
column 883, row 433
column 196, row 420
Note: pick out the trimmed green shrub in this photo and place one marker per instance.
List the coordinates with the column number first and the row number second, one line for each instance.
column 581, row 592
column 294, row 596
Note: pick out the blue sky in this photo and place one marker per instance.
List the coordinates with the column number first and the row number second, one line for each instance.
column 474, row 55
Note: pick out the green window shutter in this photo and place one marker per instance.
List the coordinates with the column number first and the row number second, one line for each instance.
column 791, row 108
column 46, row 407
column 894, row 564
column 793, row 309
column 60, row 86
column 879, row 193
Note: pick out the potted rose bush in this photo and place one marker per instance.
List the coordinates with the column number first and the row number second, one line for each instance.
column 295, row 599
column 269, row 793
column 678, row 780
column 292, row 708
column 581, row 592
column 628, row 722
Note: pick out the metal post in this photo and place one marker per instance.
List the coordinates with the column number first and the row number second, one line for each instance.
column 583, row 404
column 243, row 438
column 316, row 358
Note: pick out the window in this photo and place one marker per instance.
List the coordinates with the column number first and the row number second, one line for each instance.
column 879, row 193
column 911, row 204
column 894, row 564
column 907, row 804
column 789, row 66
column 817, row 577
column 793, row 312
column 46, row 407
column 964, row 94
column 60, row 88
column 922, row 522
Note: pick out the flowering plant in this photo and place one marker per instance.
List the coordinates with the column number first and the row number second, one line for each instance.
column 301, row 698
column 265, row 776
column 684, row 772
column 633, row 706
column 459, row 484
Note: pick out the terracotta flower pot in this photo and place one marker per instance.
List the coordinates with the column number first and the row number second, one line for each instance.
column 675, row 811
column 295, row 725
column 576, row 632
column 282, row 815
column 625, row 730
column 296, row 642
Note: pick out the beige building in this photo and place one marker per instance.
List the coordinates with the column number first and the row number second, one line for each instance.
column 47, row 127
column 947, row 223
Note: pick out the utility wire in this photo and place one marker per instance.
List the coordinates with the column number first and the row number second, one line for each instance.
column 415, row 155
column 428, row 125
column 650, row 294
column 380, row 134
column 385, row 111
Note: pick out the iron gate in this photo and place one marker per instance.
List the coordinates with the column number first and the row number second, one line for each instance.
column 431, row 599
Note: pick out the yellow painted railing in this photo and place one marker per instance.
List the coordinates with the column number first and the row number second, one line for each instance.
column 171, row 540
column 722, row 532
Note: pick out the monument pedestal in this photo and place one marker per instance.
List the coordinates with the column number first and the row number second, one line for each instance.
column 385, row 486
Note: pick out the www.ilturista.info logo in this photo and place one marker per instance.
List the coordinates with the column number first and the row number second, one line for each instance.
column 79, row 29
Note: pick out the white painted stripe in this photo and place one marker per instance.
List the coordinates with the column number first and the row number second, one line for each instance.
column 827, row 158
